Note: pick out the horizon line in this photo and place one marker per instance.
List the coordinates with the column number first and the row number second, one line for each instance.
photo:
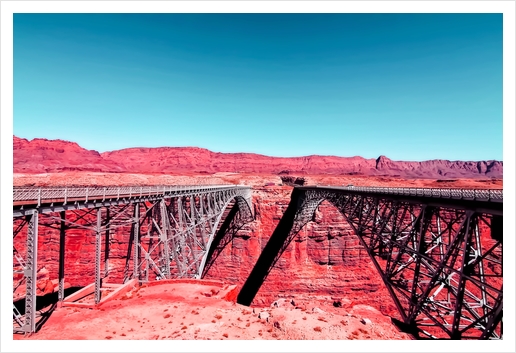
column 260, row 154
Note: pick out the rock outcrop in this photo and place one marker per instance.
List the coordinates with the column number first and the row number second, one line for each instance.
column 438, row 168
column 42, row 155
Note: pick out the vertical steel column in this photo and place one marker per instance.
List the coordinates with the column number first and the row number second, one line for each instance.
column 423, row 220
column 208, row 201
column 31, row 272
column 209, row 215
column 217, row 201
column 455, row 331
column 201, row 222
column 106, row 246
column 481, row 269
column 193, row 238
column 98, row 241
column 62, row 256
column 192, row 208
column 180, row 213
column 136, row 240
column 164, row 237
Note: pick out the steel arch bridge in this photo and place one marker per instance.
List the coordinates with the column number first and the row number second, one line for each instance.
column 438, row 251
column 171, row 230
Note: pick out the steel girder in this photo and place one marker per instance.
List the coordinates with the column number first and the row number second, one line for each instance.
column 171, row 230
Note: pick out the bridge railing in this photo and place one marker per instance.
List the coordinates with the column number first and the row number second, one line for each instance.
column 43, row 194
column 495, row 195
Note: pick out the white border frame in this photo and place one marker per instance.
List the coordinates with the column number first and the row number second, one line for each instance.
column 6, row 148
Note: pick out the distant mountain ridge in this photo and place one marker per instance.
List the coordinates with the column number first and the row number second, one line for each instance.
column 45, row 156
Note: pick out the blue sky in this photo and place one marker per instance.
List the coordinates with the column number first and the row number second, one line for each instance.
column 408, row 86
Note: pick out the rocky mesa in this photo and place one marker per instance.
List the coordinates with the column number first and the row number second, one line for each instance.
column 42, row 155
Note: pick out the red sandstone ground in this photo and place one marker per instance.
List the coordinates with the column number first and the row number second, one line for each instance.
column 201, row 311
column 324, row 264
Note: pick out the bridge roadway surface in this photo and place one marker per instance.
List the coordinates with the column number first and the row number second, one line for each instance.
column 56, row 199
column 478, row 200
column 37, row 196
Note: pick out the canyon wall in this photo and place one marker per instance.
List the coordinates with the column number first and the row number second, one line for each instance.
column 325, row 261
column 41, row 155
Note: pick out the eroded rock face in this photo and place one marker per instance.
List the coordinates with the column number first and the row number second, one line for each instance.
column 42, row 155
column 324, row 261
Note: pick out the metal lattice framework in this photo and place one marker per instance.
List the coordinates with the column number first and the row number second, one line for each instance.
column 171, row 230
column 438, row 252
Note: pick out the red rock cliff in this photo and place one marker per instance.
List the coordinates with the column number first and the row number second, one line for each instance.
column 42, row 155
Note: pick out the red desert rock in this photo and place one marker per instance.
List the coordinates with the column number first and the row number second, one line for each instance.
column 41, row 155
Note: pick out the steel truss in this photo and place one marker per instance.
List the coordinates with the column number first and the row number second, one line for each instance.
column 170, row 232
column 176, row 234
column 234, row 221
column 442, row 265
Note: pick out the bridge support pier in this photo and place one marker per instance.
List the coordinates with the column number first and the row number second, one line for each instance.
column 164, row 238
column 136, row 245
column 31, row 272
column 98, row 241
column 62, row 233
column 106, row 245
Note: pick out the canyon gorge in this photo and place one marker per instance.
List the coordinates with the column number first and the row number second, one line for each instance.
column 325, row 265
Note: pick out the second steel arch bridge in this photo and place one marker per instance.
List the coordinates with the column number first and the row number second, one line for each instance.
column 438, row 252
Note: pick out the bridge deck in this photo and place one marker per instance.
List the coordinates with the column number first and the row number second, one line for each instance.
column 479, row 200
column 492, row 195
column 39, row 195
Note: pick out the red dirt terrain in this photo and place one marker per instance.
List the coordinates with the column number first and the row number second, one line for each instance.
column 204, row 310
column 333, row 290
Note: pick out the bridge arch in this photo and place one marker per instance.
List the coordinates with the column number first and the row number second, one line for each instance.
column 242, row 204
column 187, row 226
